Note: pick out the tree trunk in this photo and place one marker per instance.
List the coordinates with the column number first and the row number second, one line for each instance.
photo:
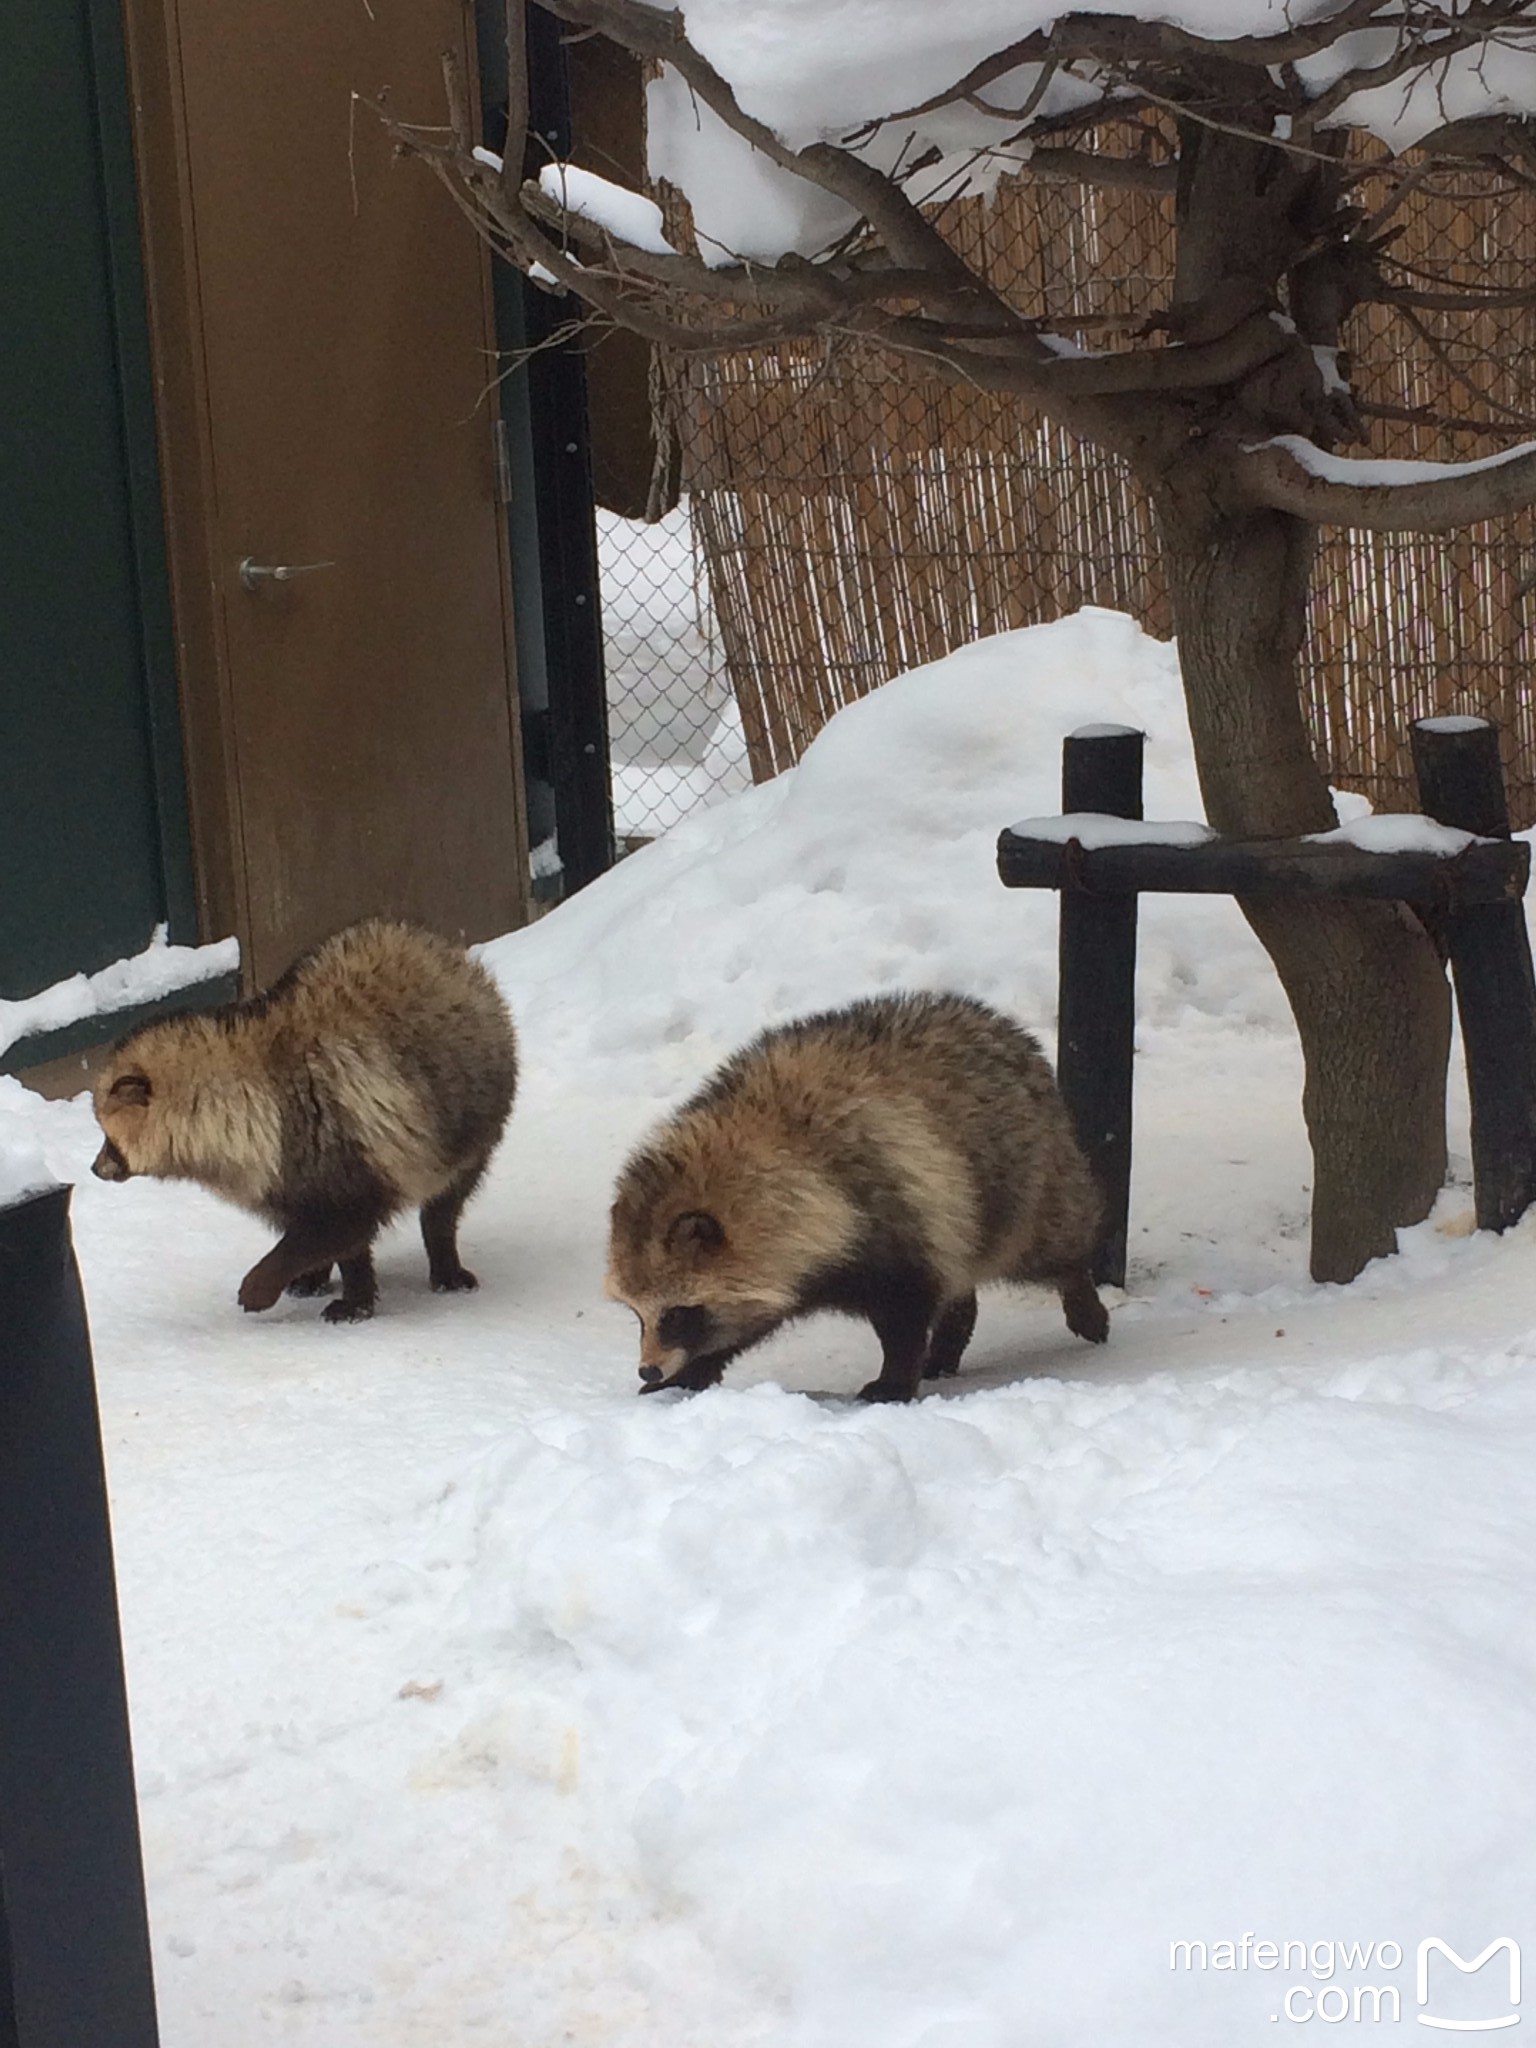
column 1364, row 981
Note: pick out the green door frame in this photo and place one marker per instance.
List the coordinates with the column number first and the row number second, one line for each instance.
column 136, row 388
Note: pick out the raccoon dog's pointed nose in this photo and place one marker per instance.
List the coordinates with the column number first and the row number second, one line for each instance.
column 650, row 1374
column 109, row 1164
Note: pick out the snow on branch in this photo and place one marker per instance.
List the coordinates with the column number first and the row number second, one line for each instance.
column 629, row 218
column 1292, row 475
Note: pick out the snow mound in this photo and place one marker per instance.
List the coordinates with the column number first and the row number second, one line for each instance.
column 873, row 866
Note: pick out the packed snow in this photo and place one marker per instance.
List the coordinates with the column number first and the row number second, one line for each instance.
column 160, row 970
column 476, row 1699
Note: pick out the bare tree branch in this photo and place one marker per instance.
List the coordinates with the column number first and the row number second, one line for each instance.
column 1196, row 367
column 515, row 148
column 1429, row 40
column 1444, row 423
column 1487, row 135
column 1452, row 369
column 458, row 103
column 1087, row 167
column 1124, row 43
column 1490, row 301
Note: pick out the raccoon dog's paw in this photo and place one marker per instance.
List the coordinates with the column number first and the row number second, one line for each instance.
column 882, row 1390
column 308, row 1285
column 461, row 1282
column 1087, row 1317
column 259, row 1289
column 346, row 1311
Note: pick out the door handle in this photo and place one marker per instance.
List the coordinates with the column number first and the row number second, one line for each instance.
column 253, row 573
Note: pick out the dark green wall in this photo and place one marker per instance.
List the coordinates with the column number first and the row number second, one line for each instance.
column 93, row 836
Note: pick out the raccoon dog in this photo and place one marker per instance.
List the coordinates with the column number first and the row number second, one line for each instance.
column 882, row 1161
column 375, row 1076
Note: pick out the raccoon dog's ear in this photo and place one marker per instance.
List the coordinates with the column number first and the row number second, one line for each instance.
column 130, row 1088
column 693, row 1227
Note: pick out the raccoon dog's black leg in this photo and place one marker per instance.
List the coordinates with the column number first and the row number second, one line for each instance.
column 303, row 1247
column 901, row 1315
column 951, row 1334
column 440, row 1233
column 317, row 1281
column 359, row 1290
column 1086, row 1314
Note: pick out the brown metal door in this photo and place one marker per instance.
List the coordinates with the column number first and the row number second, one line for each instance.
column 360, row 751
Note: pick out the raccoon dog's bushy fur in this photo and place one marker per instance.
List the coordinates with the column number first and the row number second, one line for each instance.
column 882, row 1161
column 375, row 1076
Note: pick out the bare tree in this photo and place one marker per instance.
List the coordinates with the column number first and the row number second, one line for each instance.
column 1227, row 408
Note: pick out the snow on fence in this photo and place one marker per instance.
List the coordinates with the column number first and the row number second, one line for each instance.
column 857, row 520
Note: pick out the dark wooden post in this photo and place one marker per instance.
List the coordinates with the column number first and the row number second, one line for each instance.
column 1461, row 783
column 1096, row 1030
column 74, row 1941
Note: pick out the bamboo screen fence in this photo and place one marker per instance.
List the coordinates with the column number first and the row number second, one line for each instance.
column 857, row 519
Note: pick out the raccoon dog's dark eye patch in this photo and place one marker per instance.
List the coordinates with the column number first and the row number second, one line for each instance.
column 684, row 1329
column 130, row 1088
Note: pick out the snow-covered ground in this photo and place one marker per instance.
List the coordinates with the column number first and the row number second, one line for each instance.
column 476, row 1699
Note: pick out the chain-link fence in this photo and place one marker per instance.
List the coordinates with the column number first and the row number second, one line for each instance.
column 674, row 732
column 857, row 518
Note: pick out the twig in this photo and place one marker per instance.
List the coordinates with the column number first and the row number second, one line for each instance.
column 515, row 149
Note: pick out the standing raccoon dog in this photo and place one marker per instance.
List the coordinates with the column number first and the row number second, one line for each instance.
column 375, row 1076
column 882, row 1161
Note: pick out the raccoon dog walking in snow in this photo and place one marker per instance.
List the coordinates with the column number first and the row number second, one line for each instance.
column 882, row 1161
column 375, row 1076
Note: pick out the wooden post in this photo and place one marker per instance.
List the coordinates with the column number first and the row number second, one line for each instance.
column 1461, row 783
column 1096, row 1030
column 74, row 1940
